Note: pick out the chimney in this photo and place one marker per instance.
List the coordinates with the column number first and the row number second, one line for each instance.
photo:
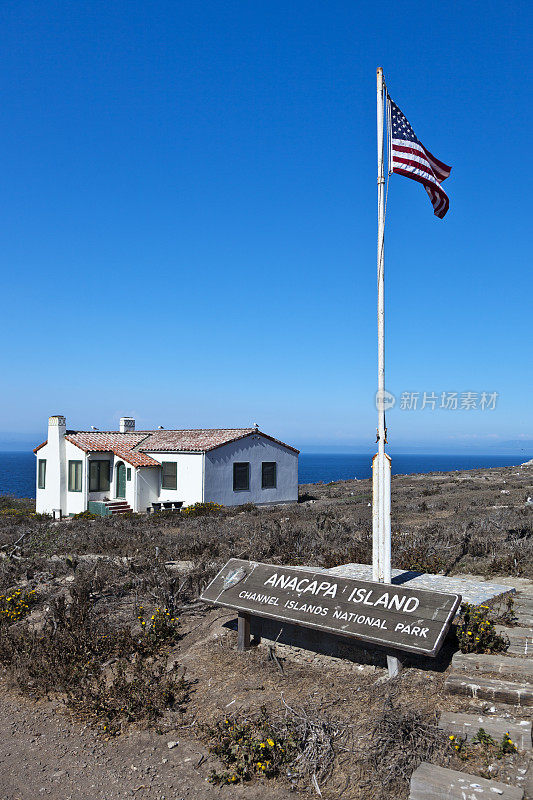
column 127, row 425
column 56, row 475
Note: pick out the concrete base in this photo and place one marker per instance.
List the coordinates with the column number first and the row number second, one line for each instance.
column 471, row 588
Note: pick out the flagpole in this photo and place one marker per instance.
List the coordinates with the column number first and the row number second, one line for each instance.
column 381, row 464
column 381, row 534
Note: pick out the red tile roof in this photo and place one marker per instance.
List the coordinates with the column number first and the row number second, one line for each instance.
column 133, row 447
column 121, row 444
column 198, row 440
column 193, row 440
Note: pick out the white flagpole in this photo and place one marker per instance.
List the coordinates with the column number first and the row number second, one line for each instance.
column 381, row 533
column 381, row 465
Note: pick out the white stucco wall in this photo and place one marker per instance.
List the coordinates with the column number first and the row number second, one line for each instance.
column 47, row 499
column 189, row 478
column 53, row 496
column 147, row 487
column 76, row 501
column 254, row 449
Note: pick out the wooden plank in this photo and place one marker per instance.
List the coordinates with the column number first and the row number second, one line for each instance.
column 467, row 725
column 521, row 640
column 524, row 618
column 243, row 632
column 494, row 664
column 396, row 617
column 429, row 782
column 519, row 694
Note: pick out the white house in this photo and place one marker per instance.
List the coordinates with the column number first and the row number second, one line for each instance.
column 129, row 470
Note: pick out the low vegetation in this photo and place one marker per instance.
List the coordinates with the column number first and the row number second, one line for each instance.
column 477, row 633
column 482, row 747
column 97, row 611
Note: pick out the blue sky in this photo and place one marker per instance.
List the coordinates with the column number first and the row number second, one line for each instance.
column 188, row 220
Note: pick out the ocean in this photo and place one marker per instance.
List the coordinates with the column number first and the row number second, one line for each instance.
column 17, row 469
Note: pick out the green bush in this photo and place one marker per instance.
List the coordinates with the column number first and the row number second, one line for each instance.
column 248, row 749
column 161, row 627
column 86, row 515
column 15, row 605
column 477, row 634
column 202, row 510
column 482, row 744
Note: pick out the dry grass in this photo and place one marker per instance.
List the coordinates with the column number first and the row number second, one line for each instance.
column 82, row 639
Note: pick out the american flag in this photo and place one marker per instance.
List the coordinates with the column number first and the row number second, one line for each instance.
column 409, row 157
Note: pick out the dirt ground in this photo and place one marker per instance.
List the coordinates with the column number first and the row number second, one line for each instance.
column 44, row 752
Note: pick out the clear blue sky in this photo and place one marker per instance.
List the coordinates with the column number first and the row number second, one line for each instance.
column 188, row 219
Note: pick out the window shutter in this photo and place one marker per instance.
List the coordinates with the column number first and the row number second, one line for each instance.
column 268, row 475
column 169, row 475
column 94, row 484
column 241, row 476
column 104, row 479
column 74, row 476
column 41, row 478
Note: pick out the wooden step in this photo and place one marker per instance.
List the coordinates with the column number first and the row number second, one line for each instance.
column 475, row 663
column 467, row 725
column 521, row 640
column 429, row 782
column 524, row 617
column 118, row 506
column 518, row 694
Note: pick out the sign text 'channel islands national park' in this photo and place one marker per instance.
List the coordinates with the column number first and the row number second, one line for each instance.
column 393, row 616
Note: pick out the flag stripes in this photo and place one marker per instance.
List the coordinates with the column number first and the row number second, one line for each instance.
column 410, row 158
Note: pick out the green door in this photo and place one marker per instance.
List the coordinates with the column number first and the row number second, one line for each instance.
column 121, row 480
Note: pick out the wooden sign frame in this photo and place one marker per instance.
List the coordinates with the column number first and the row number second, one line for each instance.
column 389, row 615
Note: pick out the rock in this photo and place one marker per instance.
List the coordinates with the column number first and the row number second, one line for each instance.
column 172, row 745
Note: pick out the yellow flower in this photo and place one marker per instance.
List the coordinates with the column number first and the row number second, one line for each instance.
column 270, row 742
column 452, row 737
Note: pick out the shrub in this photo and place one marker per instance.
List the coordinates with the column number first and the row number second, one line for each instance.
column 132, row 694
column 162, row 626
column 86, row 515
column 482, row 744
column 248, row 748
column 15, row 606
column 477, row 634
column 400, row 741
column 201, row 510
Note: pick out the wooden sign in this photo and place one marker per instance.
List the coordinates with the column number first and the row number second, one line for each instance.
column 392, row 616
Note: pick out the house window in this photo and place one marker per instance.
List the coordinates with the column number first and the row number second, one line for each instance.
column 169, row 475
column 128, row 474
column 74, row 476
column 41, row 475
column 268, row 475
column 99, row 476
column 241, row 476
